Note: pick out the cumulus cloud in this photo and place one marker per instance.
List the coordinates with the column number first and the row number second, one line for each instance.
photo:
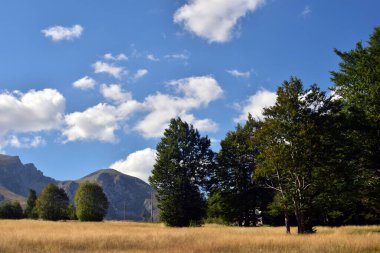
column 85, row 83
column 214, row 20
column 140, row 73
column 193, row 92
column 103, row 67
column 33, row 111
column 58, row 33
column 101, row 121
column 255, row 104
column 151, row 57
column 114, row 92
column 237, row 73
column 119, row 57
column 138, row 164
column 25, row 142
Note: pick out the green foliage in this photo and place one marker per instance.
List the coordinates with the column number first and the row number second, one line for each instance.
column 184, row 162
column 237, row 194
column 291, row 148
column 358, row 87
column 30, row 210
column 52, row 203
column 11, row 210
column 91, row 202
column 71, row 212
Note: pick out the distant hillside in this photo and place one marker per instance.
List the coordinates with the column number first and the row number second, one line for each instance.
column 129, row 197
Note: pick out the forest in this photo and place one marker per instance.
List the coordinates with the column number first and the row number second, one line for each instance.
column 312, row 160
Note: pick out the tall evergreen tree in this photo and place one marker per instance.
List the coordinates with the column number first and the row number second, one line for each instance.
column 357, row 87
column 30, row 210
column 184, row 161
column 236, row 195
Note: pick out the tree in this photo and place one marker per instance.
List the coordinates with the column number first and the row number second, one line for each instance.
column 357, row 87
column 184, row 162
column 91, row 202
column 30, row 210
column 292, row 151
column 238, row 195
column 52, row 203
column 11, row 210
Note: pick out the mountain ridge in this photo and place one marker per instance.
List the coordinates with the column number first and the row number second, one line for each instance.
column 129, row 197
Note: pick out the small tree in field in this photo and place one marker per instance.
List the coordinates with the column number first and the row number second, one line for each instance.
column 11, row 210
column 52, row 203
column 91, row 202
column 30, row 211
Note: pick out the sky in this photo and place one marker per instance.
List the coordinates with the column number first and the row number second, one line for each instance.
column 90, row 84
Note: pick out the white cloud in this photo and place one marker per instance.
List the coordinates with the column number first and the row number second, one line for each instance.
column 306, row 11
column 180, row 56
column 58, row 33
column 101, row 121
column 33, row 111
column 256, row 103
column 237, row 73
column 196, row 92
column 85, row 83
column 151, row 57
column 120, row 57
column 103, row 67
column 138, row 164
column 214, row 20
column 140, row 73
column 26, row 142
column 96, row 123
column 115, row 93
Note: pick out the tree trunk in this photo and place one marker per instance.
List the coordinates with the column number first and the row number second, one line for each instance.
column 287, row 223
column 300, row 221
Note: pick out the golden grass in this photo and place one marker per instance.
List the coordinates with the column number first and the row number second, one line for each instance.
column 55, row 237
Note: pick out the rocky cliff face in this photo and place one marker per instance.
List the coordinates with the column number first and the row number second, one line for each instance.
column 129, row 197
column 19, row 178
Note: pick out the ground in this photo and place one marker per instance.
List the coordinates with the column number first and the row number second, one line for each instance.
column 30, row 236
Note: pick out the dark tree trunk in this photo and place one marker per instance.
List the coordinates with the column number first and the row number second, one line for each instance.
column 287, row 222
column 300, row 221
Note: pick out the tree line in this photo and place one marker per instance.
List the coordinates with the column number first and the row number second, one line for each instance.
column 91, row 204
column 313, row 159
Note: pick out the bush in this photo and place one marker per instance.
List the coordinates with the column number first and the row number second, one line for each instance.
column 52, row 203
column 11, row 210
column 91, row 202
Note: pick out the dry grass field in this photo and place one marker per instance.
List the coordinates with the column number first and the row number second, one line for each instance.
column 56, row 237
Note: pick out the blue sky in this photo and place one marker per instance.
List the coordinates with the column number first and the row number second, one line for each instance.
column 87, row 84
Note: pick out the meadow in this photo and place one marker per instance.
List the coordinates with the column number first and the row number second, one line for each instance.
column 23, row 236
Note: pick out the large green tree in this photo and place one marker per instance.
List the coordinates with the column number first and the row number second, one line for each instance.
column 52, row 203
column 91, row 202
column 357, row 87
column 184, row 162
column 292, row 151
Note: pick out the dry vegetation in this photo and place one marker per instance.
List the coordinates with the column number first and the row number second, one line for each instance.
column 40, row 236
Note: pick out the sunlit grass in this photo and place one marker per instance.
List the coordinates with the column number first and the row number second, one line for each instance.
column 41, row 236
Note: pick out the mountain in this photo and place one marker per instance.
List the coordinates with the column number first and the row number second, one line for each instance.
column 19, row 178
column 129, row 197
